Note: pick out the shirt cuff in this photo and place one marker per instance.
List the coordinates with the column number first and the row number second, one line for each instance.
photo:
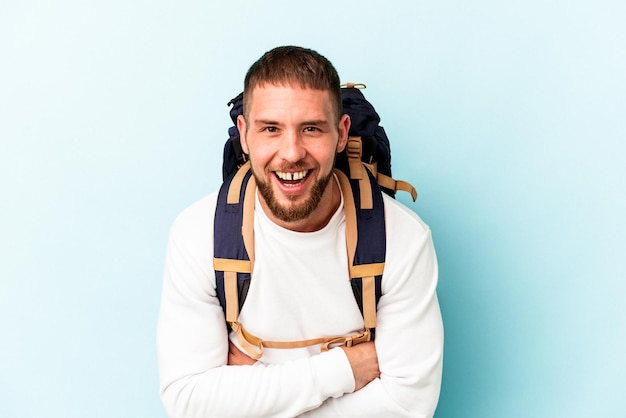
column 333, row 373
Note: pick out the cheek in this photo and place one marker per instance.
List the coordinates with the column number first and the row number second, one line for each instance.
column 326, row 157
column 259, row 155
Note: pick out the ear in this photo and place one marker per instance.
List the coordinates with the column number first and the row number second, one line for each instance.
column 344, row 128
column 241, row 125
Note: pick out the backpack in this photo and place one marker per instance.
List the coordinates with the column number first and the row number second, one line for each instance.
column 368, row 141
column 364, row 172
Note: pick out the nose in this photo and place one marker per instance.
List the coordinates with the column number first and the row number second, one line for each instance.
column 291, row 147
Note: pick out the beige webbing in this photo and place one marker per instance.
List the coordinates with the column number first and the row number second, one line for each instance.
column 366, row 272
column 369, row 302
column 374, row 269
column 247, row 227
column 396, row 185
column 227, row 264
column 254, row 346
column 232, row 295
column 354, row 150
column 232, row 267
column 234, row 191
column 349, row 210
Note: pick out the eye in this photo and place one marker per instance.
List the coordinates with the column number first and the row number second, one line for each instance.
column 270, row 129
column 311, row 129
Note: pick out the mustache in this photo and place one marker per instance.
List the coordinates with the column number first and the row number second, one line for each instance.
column 291, row 167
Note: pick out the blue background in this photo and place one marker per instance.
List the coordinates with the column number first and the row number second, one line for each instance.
column 508, row 117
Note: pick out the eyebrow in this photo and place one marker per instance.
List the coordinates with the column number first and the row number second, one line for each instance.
column 314, row 122
column 265, row 122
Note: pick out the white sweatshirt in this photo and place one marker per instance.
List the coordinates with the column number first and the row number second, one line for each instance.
column 299, row 290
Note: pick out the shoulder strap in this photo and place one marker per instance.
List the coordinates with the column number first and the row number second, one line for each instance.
column 365, row 241
column 234, row 256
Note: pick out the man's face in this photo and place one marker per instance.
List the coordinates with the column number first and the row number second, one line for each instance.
column 292, row 136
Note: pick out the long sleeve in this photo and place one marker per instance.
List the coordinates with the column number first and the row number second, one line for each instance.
column 193, row 340
column 193, row 344
column 409, row 335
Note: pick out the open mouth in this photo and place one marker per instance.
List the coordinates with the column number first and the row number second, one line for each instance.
column 292, row 179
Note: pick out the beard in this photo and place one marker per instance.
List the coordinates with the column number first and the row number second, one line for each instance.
column 294, row 212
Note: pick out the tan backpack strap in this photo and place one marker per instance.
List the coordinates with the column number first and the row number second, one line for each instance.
column 354, row 150
column 395, row 185
column 247, row 228
column 231, row 293
column 367, row 272
column 234, row 190
column 231, row 267
column 254, row 346
column 300, row 343
column 369, row 302
column 350, row 214
column 251, row 345
column 374, row 269
column 237, row 266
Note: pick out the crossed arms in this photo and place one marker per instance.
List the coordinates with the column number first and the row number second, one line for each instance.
column 203, row 374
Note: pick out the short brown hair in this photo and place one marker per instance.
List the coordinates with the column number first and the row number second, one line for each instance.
column 293, row 65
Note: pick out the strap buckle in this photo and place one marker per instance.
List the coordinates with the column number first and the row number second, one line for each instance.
column 358, row 338
column 348, row 341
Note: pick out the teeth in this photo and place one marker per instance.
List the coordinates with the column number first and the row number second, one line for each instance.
column 299, row 175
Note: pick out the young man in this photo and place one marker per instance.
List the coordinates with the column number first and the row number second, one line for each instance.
column 292, row 129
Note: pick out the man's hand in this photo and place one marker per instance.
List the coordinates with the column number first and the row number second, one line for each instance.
column 364, row 362
column 236, row 357
column 362, row 357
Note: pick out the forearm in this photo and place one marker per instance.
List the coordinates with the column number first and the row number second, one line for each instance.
column 410, row 378
column 260, row 390
column 371, row 401
column 193, row 352
column 409, row 341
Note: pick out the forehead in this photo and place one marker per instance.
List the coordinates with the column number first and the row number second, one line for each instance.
column 271, row 98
